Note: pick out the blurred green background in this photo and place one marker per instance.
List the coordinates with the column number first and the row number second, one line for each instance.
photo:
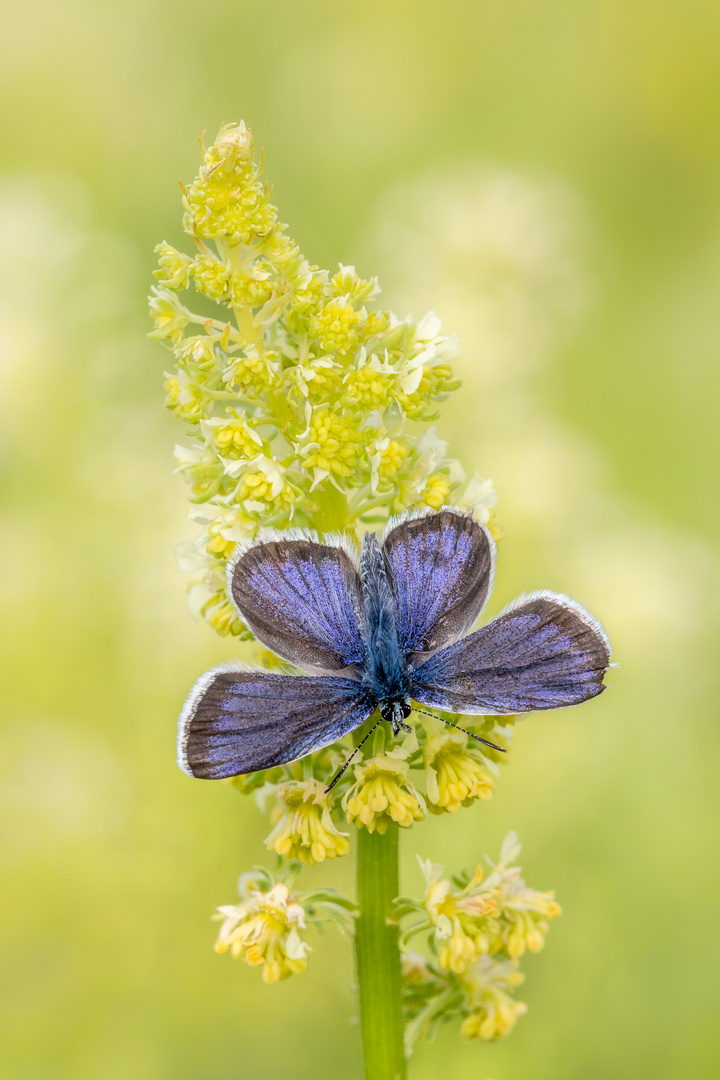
column 546, row 177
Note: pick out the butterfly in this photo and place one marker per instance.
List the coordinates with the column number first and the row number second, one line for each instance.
column 381, row 632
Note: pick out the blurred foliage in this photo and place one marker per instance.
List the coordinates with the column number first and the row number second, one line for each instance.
column 579, row 262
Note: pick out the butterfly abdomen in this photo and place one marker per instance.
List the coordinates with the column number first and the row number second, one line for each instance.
column 385, row 669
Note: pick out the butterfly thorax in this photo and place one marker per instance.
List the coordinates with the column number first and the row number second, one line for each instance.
column 384, row 670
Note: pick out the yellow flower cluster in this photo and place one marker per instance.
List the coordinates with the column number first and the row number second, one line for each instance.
column 437, row 490
column 379, row 790
column 304, row 829
column 329, row 445
column 463, row 928
column 368, row 387
column 493, row 1012
column 502, row 915
column 226, row 199
column 175, row 267
column 523, row 913
column 481, row 998
column 336, row 325
column 455, row 775
column 477, row 932
column 264, row 929
column 251, row 374
column 382, row 793
column 221, row 615
column 387, row 457
column 267, row 927
column 296, row 368
column 233, row 437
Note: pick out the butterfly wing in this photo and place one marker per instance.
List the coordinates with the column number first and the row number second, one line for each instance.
column 545, row 652
column 238, row 720
column 302, row 599
column 440, row 567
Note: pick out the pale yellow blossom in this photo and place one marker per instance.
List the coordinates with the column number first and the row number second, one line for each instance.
column 265, row 931
column 462, row 922
column 174, row 271
column 336, row 325
column 524, row 913
column 232, row 437
column 455, row 774
column 305, row 829
column 330, row 445
column 493, row 1011
column 382, row 793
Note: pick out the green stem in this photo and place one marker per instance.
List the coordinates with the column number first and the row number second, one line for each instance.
column 378, row 955
column 371, row 504
column 331, row 508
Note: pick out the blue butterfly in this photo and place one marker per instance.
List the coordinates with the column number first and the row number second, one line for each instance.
column 381, row 634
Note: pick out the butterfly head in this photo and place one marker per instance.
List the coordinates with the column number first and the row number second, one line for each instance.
column 396, row 712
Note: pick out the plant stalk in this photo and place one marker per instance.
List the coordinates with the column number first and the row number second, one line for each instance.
column 378, row 955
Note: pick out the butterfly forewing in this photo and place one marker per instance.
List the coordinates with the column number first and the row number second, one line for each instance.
column 301, row 599
column 238, row 721
column 440, row 568
column 545, row 652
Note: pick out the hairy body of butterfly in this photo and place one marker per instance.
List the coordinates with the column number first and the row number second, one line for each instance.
column 381, row 635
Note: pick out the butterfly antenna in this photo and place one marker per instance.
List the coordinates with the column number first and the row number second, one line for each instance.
column 472, row 735
column 342, row 770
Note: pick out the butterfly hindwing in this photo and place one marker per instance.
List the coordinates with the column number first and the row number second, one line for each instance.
column 237, row 721
column 440, row 568
column 302, row 599
column 545, row 652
